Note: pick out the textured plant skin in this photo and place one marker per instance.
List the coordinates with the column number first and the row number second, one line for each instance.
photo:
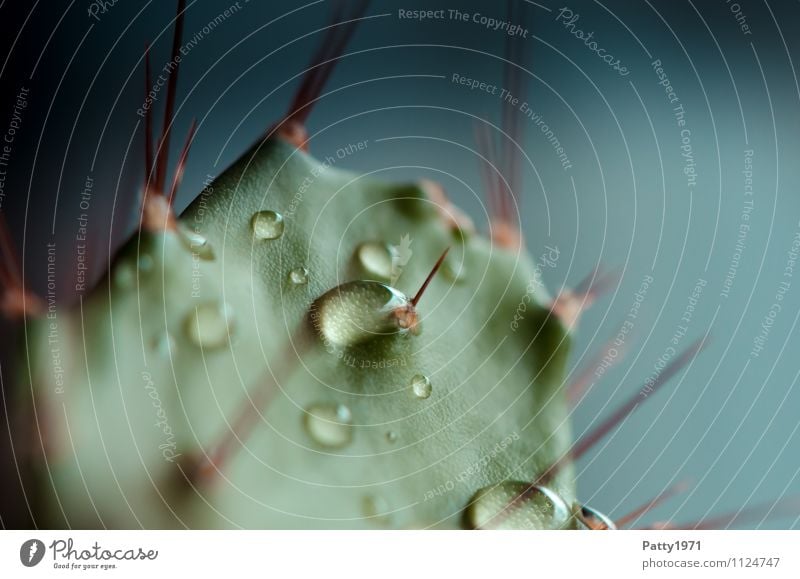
column 106, row 449
column 199, row 385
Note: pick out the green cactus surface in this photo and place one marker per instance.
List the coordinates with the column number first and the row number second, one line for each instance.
column 239, row 370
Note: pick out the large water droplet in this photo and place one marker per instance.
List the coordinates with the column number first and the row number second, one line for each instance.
column 391, row 436
column 298, row 276
column 375, row 258
column 358, row 311
column 195, row 242
column 517, row 505
column 375, row 508
column 329, row 425
column 210, row 325
column 421, row 386
column 267, row 225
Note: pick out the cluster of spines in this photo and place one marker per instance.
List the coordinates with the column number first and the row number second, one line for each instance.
column 157, row 212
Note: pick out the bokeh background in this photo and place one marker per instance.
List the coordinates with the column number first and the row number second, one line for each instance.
column 728, row 422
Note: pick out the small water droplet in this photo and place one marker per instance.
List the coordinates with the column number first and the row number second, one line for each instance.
column 124, row 275
column 164, row 344
column 453, row 272
column 210, row 325
column 145, row 263
column 195, row 242
column 504, row 506
column 267, row 225
column 298, row 276
column 375, row 508
column 359, row 311
column 375, row 258
column 391, row 436
column 421, row 386
column 329, row 425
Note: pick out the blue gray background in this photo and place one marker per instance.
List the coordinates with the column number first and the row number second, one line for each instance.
column 730, row 421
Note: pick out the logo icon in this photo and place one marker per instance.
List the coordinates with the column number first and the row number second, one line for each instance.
column 32, row 552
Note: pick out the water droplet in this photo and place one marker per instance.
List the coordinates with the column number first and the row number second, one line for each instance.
column 454, row 272
column 330, row 425
column 391, row 436
column 267, row 225
column 375, row 258
column 421, row 386
column 210, row 325
column 195, row 242
column 298, row 276
column 164, row 344
column 359, row 311
column 517, row 505
column 375, row 508
column 124, row 275
column 595, row 520
column 145, row 263
column 127, row 272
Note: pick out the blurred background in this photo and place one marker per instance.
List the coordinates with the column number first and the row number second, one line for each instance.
column 678, row 126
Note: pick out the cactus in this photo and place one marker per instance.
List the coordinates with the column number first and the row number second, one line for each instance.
column 258, row 361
